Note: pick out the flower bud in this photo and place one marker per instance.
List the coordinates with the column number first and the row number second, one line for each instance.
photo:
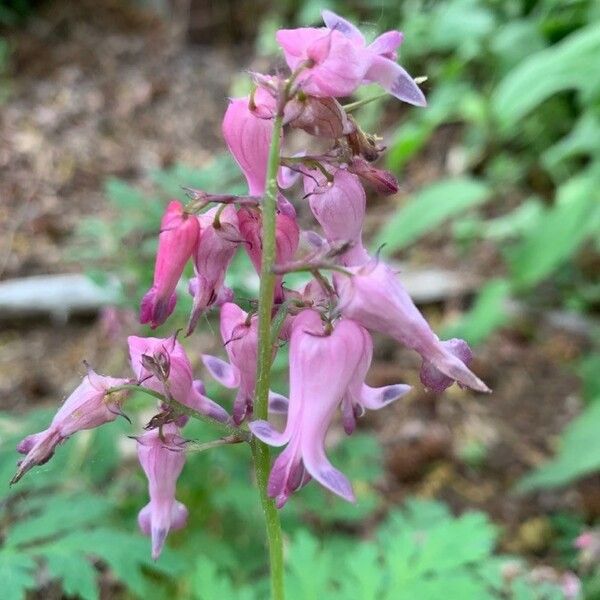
column 178, row 236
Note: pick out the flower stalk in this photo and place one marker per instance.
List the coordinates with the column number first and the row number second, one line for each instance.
column 260, row 451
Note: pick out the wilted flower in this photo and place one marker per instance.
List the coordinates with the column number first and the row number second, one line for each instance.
column 87, row 407
column 322, row 365
column 375, row 298
column 383, row 182
column 176, row 242
column 321, row 117
column 161, row 453
column 162, row 365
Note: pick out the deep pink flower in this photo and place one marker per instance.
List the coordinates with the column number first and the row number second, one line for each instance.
column 361, row 397
column 176, row 241
column 216, row 246
column 287, row 236
column 162, row 456
column 339, row 207
column 374, row 297
column 322, row 365
column 87, row 407
column 169, row 371
column 338, row 60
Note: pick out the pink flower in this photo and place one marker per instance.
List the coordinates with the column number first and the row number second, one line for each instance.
column 162, row 365
column 322, row 366
column 162, row 456
column 338, row 60
column 287, row 236
column 375, row 298
column 339, row 207
column 248, row 138
column 360, row 396
column 87, row 407
column 178, row 236
column 240, row 336
column 216, row 246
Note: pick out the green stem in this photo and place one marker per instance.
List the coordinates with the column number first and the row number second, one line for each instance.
column 260, row 451
column 354, row 105
column 181, row 408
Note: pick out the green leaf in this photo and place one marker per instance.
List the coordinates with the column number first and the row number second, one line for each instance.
column 570, row 64
column 17, row 574
column 487, row 314
column 560, row 232
column 77, row 575
column 429, row 208
column 578, row 455
column 56, row 515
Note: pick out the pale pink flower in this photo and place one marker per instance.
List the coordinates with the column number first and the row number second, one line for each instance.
column 161, row 453
column 89, row 406
column 322, row 365
column 375, row 298
column 339, row 207
column 248, row 138
column 337, row 60
column 176, row 242
column 162, row 365
column 361, row 397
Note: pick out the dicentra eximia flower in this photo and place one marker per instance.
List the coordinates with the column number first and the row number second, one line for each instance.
column 87, row 407
column 162, row 365
column 322, row 366
column 218, row 240
column 339, row 207
column 161, row 453
column 361, row 397
column 337, row 60
column 375, row 298
column 287, row 236
column 176, row 241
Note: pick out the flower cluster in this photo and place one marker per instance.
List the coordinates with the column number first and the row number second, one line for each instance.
column 327, row 324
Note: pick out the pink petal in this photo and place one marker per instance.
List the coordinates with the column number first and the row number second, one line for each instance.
column 395, row 80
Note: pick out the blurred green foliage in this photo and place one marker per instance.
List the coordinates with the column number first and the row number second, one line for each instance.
column 66, row 519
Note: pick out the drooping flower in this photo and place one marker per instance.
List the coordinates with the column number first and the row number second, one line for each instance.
column 248, row 138
column 162, row 365
column 240, row 336
column 361, row 397
column 216, row 246
column 176, row 241
column 322, row 365
column 89, row 406
column 375, row 298
column 162, row 456
column 287, row 236
column 339, row 207
column 337, row 60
